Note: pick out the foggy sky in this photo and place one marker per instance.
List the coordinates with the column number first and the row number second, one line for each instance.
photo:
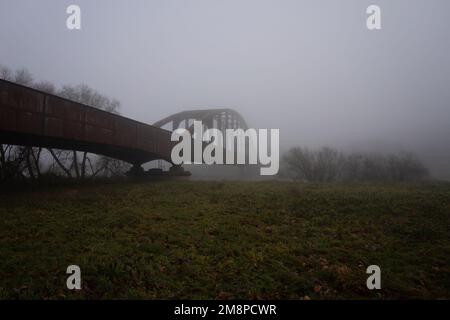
column 310, row 68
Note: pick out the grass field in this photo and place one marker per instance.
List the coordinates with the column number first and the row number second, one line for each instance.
column 225, row 240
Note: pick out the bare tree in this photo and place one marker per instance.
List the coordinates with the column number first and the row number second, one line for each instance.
column 60, row 157
column 6, row 73
column 329, row 165
column 23, row 77
column 88, row 96
column 45, row 86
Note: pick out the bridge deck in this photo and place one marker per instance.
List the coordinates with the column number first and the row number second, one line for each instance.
column 34, row 118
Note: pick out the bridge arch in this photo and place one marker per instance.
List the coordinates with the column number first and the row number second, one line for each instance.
column 224, row 118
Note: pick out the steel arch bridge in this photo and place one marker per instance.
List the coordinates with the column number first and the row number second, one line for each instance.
column 211, row 118
column 30, row 117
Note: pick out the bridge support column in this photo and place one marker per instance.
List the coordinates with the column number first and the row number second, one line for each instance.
column 136, row 171
column 178, row 171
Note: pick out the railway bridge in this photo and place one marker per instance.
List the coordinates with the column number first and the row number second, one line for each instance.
column 30, row 117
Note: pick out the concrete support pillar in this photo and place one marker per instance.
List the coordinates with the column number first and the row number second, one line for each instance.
column 136, row 171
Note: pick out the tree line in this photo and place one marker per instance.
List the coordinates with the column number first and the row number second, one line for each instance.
column 330, row 165
column 24, row 162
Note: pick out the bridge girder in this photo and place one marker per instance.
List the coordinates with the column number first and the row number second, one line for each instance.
column 31, row 117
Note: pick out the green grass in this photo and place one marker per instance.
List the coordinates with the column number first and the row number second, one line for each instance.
column 225, row 240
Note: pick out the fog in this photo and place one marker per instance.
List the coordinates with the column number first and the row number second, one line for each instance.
column 310, row 68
